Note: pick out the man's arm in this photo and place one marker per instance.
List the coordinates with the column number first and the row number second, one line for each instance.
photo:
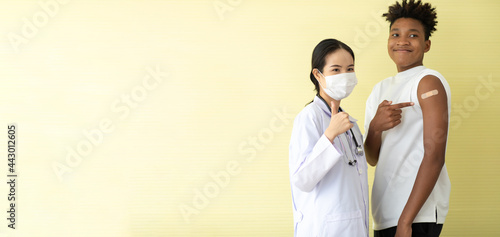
column 434, row 103
column 372, row 145
column 387, row 117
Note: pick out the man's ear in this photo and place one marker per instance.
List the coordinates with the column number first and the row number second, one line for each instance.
column 427, row 46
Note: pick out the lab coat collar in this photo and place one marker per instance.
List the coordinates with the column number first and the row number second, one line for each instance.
column 322, row 104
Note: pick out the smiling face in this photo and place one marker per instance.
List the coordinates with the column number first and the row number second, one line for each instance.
column 407, row 44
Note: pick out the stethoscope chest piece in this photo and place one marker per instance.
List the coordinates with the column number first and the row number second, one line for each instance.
column 359, row 151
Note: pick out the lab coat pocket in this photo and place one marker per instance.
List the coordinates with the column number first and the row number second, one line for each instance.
column 348, row 224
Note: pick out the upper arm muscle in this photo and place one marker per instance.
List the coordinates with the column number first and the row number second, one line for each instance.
column 434, row 106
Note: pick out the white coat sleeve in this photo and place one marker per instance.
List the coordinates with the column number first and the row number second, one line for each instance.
column 312, row 155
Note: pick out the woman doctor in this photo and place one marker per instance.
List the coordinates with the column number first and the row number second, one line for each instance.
column 327, row 164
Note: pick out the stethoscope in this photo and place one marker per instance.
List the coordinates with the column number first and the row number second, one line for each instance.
column 359, row 148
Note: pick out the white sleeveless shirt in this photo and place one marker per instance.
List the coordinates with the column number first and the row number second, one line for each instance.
column 402, row 151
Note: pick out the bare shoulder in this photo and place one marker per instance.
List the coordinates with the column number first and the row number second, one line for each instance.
column 431, row 90
column 430, row 81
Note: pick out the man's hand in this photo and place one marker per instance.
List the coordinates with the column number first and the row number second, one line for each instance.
column 388, row 115
column 403, row 231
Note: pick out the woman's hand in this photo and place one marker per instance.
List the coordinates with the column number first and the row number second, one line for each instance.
column 339, row 123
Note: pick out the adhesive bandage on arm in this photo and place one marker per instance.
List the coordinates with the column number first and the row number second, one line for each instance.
column 429, row 94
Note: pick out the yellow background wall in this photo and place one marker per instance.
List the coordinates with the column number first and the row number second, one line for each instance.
column 172, row 118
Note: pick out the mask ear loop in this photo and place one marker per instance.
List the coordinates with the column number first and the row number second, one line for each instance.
column 324, row 88
column 320, row 81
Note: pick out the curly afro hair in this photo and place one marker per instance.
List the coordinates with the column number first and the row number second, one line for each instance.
column 422, row 12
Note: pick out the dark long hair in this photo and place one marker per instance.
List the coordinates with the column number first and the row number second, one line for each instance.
column 320, row 52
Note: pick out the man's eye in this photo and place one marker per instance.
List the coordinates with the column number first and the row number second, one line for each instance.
column 395, row 35
column 413, row 36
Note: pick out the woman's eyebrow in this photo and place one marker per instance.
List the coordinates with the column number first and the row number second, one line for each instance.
column 335, row 65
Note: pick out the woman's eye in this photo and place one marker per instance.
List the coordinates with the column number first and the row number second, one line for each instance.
column 413, row 36
column 395, row 35
column 336, row 70
column 350, row 69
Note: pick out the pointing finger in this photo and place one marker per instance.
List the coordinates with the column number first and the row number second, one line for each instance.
column 402, row 105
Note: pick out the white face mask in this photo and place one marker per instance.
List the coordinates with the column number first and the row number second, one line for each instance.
column 339, row 86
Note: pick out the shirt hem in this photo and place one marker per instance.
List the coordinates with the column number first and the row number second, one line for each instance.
column 425, row 219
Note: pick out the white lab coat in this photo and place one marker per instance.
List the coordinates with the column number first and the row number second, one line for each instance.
column 330, row 197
